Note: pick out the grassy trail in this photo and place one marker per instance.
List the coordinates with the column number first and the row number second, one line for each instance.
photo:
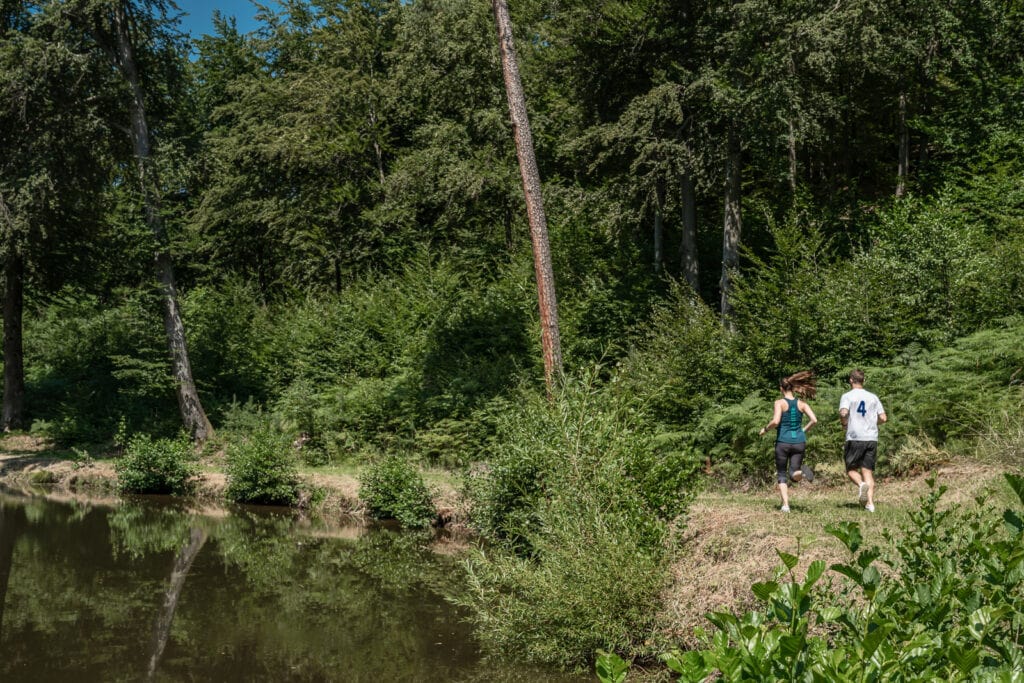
column 731, row 536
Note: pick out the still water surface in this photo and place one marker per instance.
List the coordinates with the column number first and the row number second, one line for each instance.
column 148, row 591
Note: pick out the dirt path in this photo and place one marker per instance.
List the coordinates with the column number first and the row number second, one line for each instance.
column 731, row 537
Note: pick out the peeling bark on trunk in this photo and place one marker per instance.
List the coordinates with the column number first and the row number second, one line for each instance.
column 688, row 245
column 534, row 201
column 903, row 164
column 732, row 228
column 14, row 358
column 162, row 628
column 192, row 414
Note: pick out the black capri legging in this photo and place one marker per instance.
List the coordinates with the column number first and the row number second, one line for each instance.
column 788, row 458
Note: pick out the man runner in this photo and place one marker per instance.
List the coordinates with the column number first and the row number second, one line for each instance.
column 861, row 412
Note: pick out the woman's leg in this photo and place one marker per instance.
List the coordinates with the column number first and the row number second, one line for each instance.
column 796, row 460
column 781, row 476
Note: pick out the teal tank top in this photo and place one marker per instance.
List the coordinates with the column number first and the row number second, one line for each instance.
column 790, row 430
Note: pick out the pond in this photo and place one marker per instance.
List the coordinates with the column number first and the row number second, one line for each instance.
column 149, row 590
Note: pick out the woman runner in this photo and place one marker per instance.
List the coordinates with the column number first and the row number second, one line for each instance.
column 791, row 438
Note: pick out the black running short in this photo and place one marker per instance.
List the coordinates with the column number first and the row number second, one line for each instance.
column 860, row 455
column 788, row 458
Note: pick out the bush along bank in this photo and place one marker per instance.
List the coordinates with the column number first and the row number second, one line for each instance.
column 260, row 468
column 578, row 502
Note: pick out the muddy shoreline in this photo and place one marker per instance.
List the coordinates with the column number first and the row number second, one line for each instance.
column 325, row 496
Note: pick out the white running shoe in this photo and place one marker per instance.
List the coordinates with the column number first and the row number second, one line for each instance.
column 862, row 493
column 784, row 508
column 869, row 507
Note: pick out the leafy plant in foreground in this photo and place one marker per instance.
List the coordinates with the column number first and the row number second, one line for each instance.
column 948, row 606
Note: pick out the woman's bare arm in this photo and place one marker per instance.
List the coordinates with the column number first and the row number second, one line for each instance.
column 776, row 417
column 806, row 410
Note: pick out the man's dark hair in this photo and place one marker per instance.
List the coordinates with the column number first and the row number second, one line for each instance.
column 857, row 377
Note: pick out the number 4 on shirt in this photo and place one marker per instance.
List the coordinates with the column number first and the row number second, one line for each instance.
column 862, row 410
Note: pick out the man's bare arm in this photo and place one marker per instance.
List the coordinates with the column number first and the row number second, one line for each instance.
column 844, row 416
column 882, row 418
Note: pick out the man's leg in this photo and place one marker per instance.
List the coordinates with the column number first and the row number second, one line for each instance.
column 869, row 477
column 867, row 471
column 853, row 455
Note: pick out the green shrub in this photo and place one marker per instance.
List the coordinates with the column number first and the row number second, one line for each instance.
column 89, row 363
column 394, row 489
column 157, row 466
column 688, row 363
column 576, row 503
column 229, row 333
column 946, row 606
column 261, row 469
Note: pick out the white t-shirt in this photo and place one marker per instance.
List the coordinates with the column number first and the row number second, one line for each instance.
column 864, row 410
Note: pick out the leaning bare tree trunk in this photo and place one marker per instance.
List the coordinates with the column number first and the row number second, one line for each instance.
column 903, row 164
column 688, row 244
column 534, row 201
column 162, row 629
column 14, row 363
column 192, row 414
column 733, row 221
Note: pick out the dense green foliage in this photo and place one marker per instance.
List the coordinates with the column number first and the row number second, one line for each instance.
column 394, row 489
column 262, row 469
column 579, row 501
column 157, row 466
column 946, row 604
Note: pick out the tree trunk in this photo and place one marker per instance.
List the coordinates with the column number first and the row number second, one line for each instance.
column 378, row 152
column 792, row 158
column 192, row 414
column 534, row 200
column 14, row 359
column 659, row 227
column 903, row 164
column 688, row 245
column 182, row 564
column 732, row 228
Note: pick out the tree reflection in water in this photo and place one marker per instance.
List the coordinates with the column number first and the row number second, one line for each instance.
column 251, row 596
